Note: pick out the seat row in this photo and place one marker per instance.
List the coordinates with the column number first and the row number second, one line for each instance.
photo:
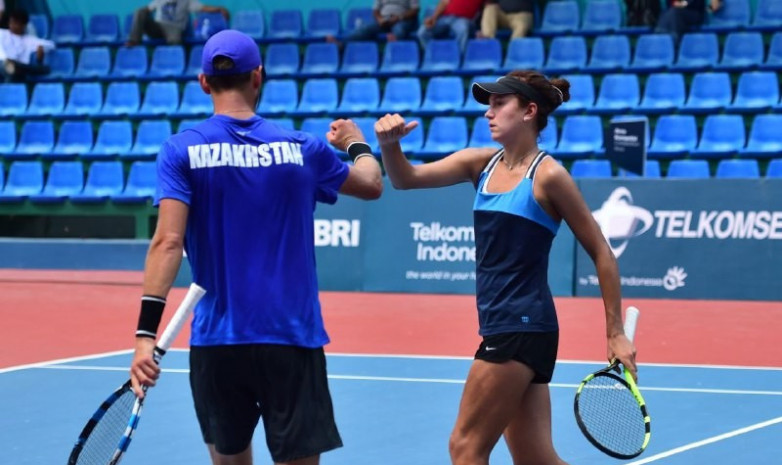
column 680, row 169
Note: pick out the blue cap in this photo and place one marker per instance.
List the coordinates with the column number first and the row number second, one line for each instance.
column 235, row 45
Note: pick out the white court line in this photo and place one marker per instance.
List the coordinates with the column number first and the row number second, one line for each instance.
column 64, row 360
column 704, row 442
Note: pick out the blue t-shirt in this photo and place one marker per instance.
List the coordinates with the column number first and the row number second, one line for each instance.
column 251, row 187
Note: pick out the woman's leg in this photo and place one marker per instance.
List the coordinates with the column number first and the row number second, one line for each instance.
column 528, row 433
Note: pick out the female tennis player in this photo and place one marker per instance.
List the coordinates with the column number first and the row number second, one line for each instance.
column 522, row 196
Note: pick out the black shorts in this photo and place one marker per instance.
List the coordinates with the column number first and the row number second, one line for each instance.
column 235, row 385
column 536, row 350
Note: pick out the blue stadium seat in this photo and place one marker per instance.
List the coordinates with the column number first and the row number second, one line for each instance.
column 732, row 15
column 618, row 93
column 743, row 51
column 140, row 188
column 322, row 22
column 664, row 93
column 738, row 169
column 471, row 106
column 359, row 58
column 7, row 137
column 698, row 51
column 103, row 28
column 85, row 98
column 443, row 94
column 774, row 169
column 130, row 62
column 609, row 53
column 13, row 99
column 104, row 179
column 319, row 95
column 160, row 98
column 250, row 22
column 653, row 52
column 122, row 98
column 601, row 16
column 48, row 99
column 400, row 57
column 320, row 59
column 756, row 91
column 36, row 138
column 114, row 138
column 285, row 123
column 441, row 56
column 524, row 53
column 582, row 135
column 692, row 169
column 279, row 96
column 400, row 95
column 167, row 61
column 68, row 29
column 186, row 124
column 62, row 63
column 582, row 94
column 206, row 24
column 65, row 178
column 548, row 139
column 357, row 17
column 482, row 55
column 367, row 126
column 709, row 92
column 73, row 139
column 414, row 141
column 359, row 95
column 765, row 138
column 651, row 170
column 768, row 15
column 193, row 67
column 560, row 17
column 446, row 134
column 480, row 135
column 317, row 126
column 150, row 136
column 586, row 168
column 25, row 178
column 674, row 136
column 722, row 136
column 281, row 59
column 41, row 24
column 93, row 62
column 566, row 54
column 774, row 57
column 285, row 24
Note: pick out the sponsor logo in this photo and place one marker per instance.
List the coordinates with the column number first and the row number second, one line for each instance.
column 673, row 279
column 337, row 233
column 621, row 221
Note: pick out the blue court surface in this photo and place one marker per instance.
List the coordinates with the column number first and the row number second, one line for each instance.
column 397, row 410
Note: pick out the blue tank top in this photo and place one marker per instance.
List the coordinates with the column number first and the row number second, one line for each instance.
column 513, row 236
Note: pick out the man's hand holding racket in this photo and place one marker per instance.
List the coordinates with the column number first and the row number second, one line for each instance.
column 144, row 371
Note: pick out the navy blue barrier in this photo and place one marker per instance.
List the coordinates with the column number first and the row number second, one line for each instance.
column 715, row 239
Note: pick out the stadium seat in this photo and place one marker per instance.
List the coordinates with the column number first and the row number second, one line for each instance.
column 186, row 124
column 36, row 138
column 320, row 60
column 559, row 18
column 651, row 170
column 582, row 135
column 441, row 56
column 566, row 53
column 279, row 96
column 150, row 135
column 285, row 25
column 733, row 169
column 757, row 91
column 319, row 95
column 317, row 126
column 48, row 99
column 698, row 51
column 357, row 17
column 140, row 187
column 709, row 92
column 674, row 136
column 482, row 55
column 206, row 24
column 13, row 99
column 85, row 98
column 768, row 15
column 601, row 16
column 664, row 93
column 250, row 22
column 367, row 126
column 130, row 62
column 696, row 169
column 25, row 178
column 400, row 57
column 548, row 140
column 104, row 179
column 114, row 138
column 480, row 135
column 414, row 141
column 774, row 57
column 281, row 59
column 61, row 62
column 68, row 29
column 765, row 137
column 122, row 98
column 582, row 94
column 167, row 61
column 160, row 98
column 359, row 95
column 322, row 22
column 7, row 137
column 285, row 123
column 774, row 169
column 732, row 15
column 446, row 134
column 591, row 169
column 93, row 62
column 359, row 58
column 653, row 52
column 618, row 93
column 103, row 28
column 41, row 24
column 609, row 53
column 471, row 106
column 65, row 178
column 193, row 67
column 194, row 101
column 400, row 95
column 722, row 136
column 524, row 53
column 743, row 51
column 73, row 139
column 443, row 94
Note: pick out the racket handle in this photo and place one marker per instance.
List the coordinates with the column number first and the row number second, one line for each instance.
column 192, row 297
column 631, row 320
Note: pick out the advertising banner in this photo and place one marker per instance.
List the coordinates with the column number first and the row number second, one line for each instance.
column 340, row 243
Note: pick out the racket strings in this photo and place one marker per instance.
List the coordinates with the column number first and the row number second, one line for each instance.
column 105, row 437
column 611, row 415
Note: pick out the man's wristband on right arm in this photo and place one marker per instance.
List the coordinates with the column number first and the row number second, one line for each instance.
column 358, row 149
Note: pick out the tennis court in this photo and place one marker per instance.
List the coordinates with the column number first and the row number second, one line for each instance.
column 397, row 364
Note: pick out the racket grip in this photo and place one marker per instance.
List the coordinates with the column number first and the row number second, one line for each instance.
column 192, row 297
column 631, row 320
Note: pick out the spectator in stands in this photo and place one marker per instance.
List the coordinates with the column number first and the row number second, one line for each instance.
column 642, row 12
column 168, row 21
column 515, row 15
column 4, row 14
column 398, row 19
column 683, row 15
column 17, row 49
column 450, row 17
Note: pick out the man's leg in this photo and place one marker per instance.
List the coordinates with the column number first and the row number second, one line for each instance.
column 489, row 20
column 143, row 23
column 519, row 23
column 172, row 34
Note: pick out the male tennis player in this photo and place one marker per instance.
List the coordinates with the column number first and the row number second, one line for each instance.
column 238, row 192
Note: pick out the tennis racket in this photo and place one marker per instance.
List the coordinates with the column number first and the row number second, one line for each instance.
column 107, row 434
column 610, row 410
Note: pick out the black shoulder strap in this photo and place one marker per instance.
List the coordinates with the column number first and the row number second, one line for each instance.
column 534, row 165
